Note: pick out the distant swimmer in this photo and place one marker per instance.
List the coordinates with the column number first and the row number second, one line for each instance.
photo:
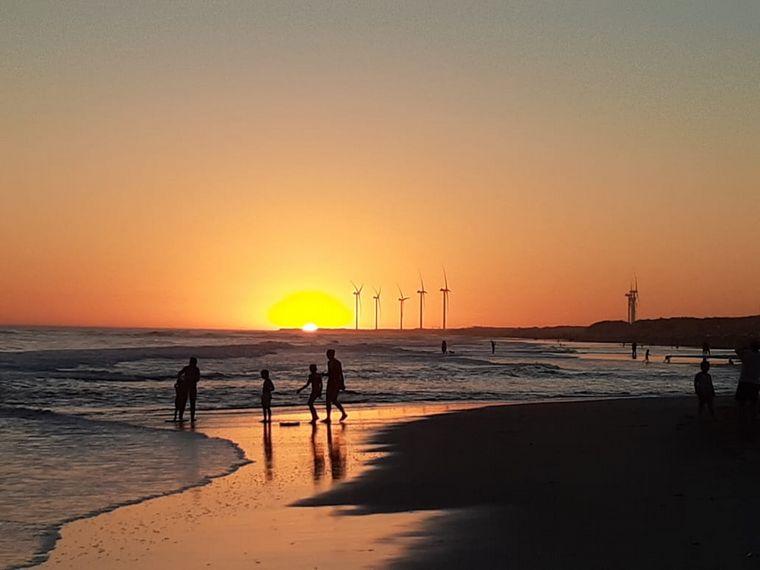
column 315, row 381
column 493, row 347
column 266, row 396
column 335, row 383
column 187, row 380
column 444, row 347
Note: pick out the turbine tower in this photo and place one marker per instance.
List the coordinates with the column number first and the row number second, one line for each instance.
column 357, row 301
column 421, row 292
column 401, row 300
column 633, row 300
column 445, row 290
column 376, row 297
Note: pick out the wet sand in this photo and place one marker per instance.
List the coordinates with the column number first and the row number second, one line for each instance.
column 639, row 483
column 608, row 484
column 246, row 519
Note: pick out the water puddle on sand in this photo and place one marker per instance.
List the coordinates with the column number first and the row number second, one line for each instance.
column 245, row 519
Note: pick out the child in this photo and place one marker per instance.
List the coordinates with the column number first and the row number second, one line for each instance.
column 315, row 379
column 266, row 396
column 703, row 387
column 177, row 399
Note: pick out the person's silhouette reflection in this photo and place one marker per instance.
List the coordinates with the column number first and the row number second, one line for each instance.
column 337, row 450
column 318, row 453
column 268, row 453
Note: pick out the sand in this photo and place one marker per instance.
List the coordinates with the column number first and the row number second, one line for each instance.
column 246, row 519
column 610, row 484
column 638, row 483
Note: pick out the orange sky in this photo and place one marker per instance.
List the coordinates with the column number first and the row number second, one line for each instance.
column 191, row 166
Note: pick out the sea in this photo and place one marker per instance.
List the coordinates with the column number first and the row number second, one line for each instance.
column 83, row 411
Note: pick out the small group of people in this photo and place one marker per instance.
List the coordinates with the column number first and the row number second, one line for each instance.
column 186, row 388
column 747, row 389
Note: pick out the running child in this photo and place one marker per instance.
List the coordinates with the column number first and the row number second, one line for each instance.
column 315, row 380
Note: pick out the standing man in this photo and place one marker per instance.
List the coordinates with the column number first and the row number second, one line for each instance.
column 187, row 379
column 335, row 383
column 493, row 347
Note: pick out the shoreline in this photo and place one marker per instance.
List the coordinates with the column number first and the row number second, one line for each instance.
column 383, row 435
column 261, row 483
column 52, row 533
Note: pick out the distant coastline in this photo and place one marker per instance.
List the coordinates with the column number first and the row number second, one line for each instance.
column 718, row 332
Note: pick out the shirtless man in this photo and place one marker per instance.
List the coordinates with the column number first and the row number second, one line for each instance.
column 335, row 384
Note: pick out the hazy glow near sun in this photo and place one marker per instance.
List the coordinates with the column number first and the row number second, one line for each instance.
column 309, row 311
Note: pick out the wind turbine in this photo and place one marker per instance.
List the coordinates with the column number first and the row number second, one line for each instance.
column 445, row 290
column 421, row 292
column 357, row 301
column 376, row 297
column 401, row 300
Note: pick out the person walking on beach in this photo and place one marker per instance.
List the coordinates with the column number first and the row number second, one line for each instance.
column 749, row 383
column 493, row 347
column 187, row 380
column 703, row 387
column 315, row 380
column 335, row 383
column 266, row 396
column 444, row 347
column 634, row 352
column 646, row 357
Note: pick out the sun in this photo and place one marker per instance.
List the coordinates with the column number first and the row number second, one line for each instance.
column 309, row 311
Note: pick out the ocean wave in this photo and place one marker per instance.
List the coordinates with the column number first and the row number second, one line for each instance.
column 56, row 463
column 46, row 360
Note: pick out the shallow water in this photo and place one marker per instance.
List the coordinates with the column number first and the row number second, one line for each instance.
column 106, row 443
column 62, row 467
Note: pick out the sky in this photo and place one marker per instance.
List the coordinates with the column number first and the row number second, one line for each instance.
column 205, row 164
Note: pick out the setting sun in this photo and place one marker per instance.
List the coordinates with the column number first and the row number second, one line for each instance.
column 309, row 311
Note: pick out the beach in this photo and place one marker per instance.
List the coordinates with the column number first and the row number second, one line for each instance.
column 247, row 518
column 597, row 484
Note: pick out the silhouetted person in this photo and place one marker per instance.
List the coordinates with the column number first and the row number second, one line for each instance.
column 749, row 383
column 315, row 381
column 493, row 347
column 266, row 396
column 646, row 356
column 178, row 395
column 705, row 348
column 634, row 353
column 444, row 347
column 335, row 383
column 188, row 378
column 703, row 387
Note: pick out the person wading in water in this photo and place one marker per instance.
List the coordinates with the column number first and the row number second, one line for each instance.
column 187, row 380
